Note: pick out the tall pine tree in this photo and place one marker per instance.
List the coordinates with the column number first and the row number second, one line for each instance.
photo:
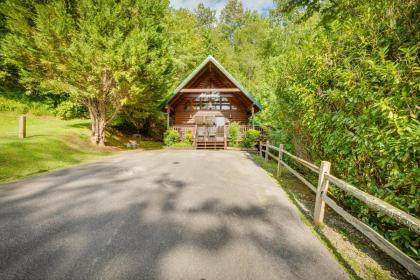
column 103, row 53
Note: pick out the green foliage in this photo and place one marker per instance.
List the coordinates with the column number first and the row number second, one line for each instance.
column 69, row 109
column 249, row 140
column 185, row 28
column 150, row 145
column 12, row 105
column 23, row 107
column 188, row 136
column 348, row 93
column 181, row 145
column 233, row 131
column 206, row 16
column 105, row 54
column 171, row 136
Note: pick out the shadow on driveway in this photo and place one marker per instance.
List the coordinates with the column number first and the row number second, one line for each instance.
column 213, row 215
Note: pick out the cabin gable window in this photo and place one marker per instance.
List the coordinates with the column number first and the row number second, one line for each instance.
column 209, row 104
column 209, row 91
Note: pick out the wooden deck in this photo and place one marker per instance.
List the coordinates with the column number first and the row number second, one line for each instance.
column 219, row 141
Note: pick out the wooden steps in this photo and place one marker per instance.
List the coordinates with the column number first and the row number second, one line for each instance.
column 209, row 145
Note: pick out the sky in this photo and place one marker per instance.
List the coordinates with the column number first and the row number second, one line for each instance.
column 261, row 6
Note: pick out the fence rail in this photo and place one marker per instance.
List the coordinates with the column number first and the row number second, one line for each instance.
column 374, row 203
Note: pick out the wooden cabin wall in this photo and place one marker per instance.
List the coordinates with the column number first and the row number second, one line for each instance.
column 182, row 117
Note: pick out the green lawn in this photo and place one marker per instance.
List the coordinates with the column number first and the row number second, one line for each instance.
column 181, row 145
column 51, row 143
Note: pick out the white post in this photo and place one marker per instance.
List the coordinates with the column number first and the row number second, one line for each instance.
column 266, row 150
column 323, row 185
column 22, row 126
column 280, row 158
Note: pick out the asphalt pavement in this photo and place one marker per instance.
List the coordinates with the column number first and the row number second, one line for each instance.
column 167, row 214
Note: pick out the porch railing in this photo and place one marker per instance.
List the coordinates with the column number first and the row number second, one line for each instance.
column 244, row 128
column 184, row 128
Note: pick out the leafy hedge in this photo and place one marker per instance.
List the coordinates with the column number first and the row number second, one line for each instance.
column 69, row 110
column 233, row 131
column 36, row 108
column 171, row 136
column 21, row 103
column 349, row 93
column 249, row 140
column 189, row 136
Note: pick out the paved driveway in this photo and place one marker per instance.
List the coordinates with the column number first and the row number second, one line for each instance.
column 158, row 215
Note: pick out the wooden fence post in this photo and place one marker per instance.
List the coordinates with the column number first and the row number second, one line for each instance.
column 267, row 145
column 280, row 158
column 22, row 126
column 260, row 149
column 323, row 185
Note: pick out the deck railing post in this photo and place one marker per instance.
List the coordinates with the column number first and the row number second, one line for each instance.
column 279, row 159
column 224, row 137
column 260, row 148
column 323, row 184
column 267, row 146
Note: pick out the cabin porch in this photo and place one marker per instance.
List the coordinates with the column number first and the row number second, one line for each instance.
column 210, row 137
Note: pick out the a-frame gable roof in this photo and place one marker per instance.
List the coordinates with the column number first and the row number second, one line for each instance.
column 223, row 70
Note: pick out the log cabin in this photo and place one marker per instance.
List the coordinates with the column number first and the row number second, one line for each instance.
column 206, row 102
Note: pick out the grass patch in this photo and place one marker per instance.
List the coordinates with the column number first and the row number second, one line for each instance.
column 51, row 143
column 150, row 145
column 181, row 145
column 116, row 138
column 356, row 253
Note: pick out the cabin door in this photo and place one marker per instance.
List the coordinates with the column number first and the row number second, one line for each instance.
column 220, row 126
column 206, row 127
column 210, row 128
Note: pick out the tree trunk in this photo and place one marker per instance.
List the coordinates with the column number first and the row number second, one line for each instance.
column 98, row 122
column 101, row 133
column 92, row 115
column 99, row 106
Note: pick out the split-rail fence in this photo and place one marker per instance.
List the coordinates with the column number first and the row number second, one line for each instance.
column 374, row 203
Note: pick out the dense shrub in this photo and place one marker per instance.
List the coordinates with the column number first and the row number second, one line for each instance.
column 233, row 130
column 349, row 94
column 69, row 110
column 12, row 105
column 23, row 107
column 250, row 138
column 188, row 138
column 170, row 137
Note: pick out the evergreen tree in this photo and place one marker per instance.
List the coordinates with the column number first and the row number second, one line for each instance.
column 187, row 43
column 206, row 16
column 105, row 54
column 232, row 18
